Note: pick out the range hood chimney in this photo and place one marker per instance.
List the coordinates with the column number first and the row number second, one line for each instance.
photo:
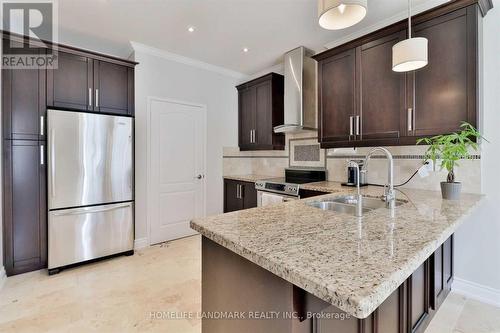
column 300, row 92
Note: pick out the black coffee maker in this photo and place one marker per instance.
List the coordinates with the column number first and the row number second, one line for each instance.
column 351, row 175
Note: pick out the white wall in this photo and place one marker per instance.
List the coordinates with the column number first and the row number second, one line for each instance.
column 478, row 241
column 162, row 77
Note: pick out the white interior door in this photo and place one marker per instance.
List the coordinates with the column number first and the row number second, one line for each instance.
column 177, row 168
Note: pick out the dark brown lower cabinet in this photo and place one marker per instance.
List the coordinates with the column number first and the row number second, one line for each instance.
column 232, row 284
column 442, row 265
column 25, row 206
column 239, row 195
column 249, row 194
column 418, row 296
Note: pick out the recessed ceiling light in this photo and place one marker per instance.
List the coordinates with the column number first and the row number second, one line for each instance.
column 191, row 29
column 245, row 49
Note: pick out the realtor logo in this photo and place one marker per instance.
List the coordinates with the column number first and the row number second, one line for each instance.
column 33, row 28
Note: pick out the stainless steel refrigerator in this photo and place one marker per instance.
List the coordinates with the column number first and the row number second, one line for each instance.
column 90, row 187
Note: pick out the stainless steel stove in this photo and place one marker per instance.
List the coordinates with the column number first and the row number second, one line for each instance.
column 276, row 190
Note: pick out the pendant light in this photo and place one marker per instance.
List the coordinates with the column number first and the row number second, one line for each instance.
column 340, row 14
column 410, row 54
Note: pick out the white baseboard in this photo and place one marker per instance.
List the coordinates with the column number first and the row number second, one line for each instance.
column 476, row 291
column 141, row 243
column 3, row 276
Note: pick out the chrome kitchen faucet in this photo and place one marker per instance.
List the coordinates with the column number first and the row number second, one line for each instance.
column 389, row 193
column 359, row 198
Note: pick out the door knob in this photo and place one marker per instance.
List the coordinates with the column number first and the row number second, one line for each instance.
column 199, row 177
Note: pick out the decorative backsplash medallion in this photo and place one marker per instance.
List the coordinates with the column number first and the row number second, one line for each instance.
column 306, row 153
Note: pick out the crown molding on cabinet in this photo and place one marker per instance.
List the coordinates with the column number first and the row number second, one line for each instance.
column 185, row 60
column 278, row 68
column 384, row 23
column 484, row 7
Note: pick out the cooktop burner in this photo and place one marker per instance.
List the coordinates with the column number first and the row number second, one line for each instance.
column 290, row 184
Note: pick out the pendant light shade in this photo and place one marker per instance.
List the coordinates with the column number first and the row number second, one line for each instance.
column 340, row 14
column 409, row 54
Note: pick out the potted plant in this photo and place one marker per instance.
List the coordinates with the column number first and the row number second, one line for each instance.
column 451, row 148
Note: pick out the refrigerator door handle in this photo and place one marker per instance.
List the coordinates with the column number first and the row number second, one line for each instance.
column 90, row 210
column 52, row 141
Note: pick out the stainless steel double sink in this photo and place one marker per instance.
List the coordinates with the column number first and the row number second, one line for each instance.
column 347, row 204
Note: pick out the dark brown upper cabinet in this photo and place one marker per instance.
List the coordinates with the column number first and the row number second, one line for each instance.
column 23, row 103
column 260, row 108
column 247, row 106
column 381, row 91
column 356, row 108
column 70, row 85
column 363, row 103
column 444, row 92
column 337, row 98
column 25, row 206
column 113, row 88
column 83, row 83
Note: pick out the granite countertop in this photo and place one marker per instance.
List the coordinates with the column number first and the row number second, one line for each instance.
column 352, row 263
column 333, row 187
column 248, row 178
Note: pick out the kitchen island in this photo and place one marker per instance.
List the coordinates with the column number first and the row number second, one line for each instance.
column 308, row 270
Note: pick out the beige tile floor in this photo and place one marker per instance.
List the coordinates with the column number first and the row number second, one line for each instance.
column 120, row 295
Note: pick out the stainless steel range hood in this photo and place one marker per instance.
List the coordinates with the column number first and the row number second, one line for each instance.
column 300, row 92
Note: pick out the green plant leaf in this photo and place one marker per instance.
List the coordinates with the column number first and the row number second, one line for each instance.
column 453, row 147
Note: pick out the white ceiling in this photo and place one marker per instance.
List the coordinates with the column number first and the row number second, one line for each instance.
column 223, row 27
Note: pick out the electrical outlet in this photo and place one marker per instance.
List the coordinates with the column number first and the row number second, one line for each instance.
column 426, row 169
column 423, row 171
column 430, row 166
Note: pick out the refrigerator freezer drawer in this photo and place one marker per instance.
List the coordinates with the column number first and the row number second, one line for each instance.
column 89, row 159
column 81, row 234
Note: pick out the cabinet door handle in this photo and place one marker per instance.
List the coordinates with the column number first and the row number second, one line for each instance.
column 253, row 136
column 42, row 155
column 237, row 191
column 358, row 125
column 42, row 125
column 97, row 98
column 410, row 119
column 90, row 96
column 351, row 125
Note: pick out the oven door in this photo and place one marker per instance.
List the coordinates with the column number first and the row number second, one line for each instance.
column 269, row 198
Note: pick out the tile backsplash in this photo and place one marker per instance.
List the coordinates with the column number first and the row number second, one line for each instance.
column 407, row 159
column 307, row 153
